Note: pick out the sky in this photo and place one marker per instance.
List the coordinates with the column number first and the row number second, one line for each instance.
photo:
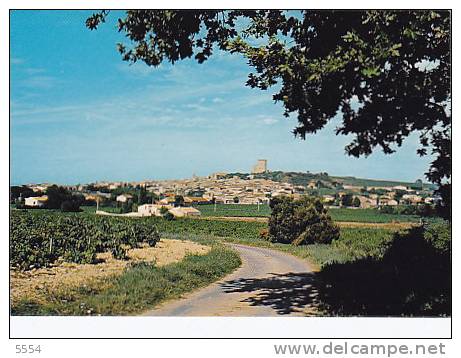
column 80, row 114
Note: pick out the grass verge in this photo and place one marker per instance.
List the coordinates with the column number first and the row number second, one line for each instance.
column 139, row 288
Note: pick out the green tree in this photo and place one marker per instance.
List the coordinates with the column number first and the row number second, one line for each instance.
column 356, row 202
column 236, row 200
column 18, row 192
column 398, row 195
column 387, row 72
column 61, row 198
column 419, row 184
column 387, row 209
column 142, row 196
column 300, row 222
column 127, row 207
column 178, row 200
column 346, row 200
column 56, row 196
column 168, row 216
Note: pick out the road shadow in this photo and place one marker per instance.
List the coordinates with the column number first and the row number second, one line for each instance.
column 285, row 293
column 412, row 278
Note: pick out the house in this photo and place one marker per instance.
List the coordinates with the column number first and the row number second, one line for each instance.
column 114, row 186
column 400, row 187
column 152, row 209
column 312, row 184
column 192, row 200
column 123, row 198
column 184, row 212
column 411, row 199
column 102, row 195
column 167, row 200
column 352, row 187
column 39, row 187
column 218, row 175
column 366, row 202
column 253, row 200
column 36, row 201
column 385, row 201
column 92, row 197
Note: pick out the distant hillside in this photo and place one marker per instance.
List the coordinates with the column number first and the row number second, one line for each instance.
column 377, row 182
column 298, row 178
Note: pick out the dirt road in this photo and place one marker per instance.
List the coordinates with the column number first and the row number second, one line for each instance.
column 269, row 283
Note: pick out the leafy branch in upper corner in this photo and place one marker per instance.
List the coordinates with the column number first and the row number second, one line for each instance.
column 387, row 72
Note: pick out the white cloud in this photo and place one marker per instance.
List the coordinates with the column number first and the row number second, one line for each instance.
column 269, row 120
column 197, row 107
column 217, row 100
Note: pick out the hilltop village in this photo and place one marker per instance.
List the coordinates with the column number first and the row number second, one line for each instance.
column 258, row 187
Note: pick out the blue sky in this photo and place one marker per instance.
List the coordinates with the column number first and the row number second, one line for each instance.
column 81, row 114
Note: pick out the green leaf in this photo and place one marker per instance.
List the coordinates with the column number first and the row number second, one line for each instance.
column 370, row 71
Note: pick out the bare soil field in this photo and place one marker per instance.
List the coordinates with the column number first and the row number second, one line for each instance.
column 40, row 283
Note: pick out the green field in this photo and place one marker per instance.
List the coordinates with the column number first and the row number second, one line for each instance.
column 31, row 232
column 92, row 209
column 369, row 216
column 241, row 210
column 339, row 214
column 250, row 210
column 38, row 238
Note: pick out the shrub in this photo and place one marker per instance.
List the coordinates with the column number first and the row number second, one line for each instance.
column 70, row 206
column 386, row 209
column 303, row 221
column 439, row 236
column 127, row 207
column 168, row 216
column 356, row 202
column 20, row 205
column 409, row 210
column 118, row 251
column 409, row 275
column 346, row 200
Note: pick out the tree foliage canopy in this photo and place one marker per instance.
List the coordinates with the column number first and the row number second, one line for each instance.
column 301, row 222
column 387, row 72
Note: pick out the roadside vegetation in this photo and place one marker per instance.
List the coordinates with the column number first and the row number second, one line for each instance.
column 43, row 238
column 411, row 276
column 141, row 287
column 365, row 271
